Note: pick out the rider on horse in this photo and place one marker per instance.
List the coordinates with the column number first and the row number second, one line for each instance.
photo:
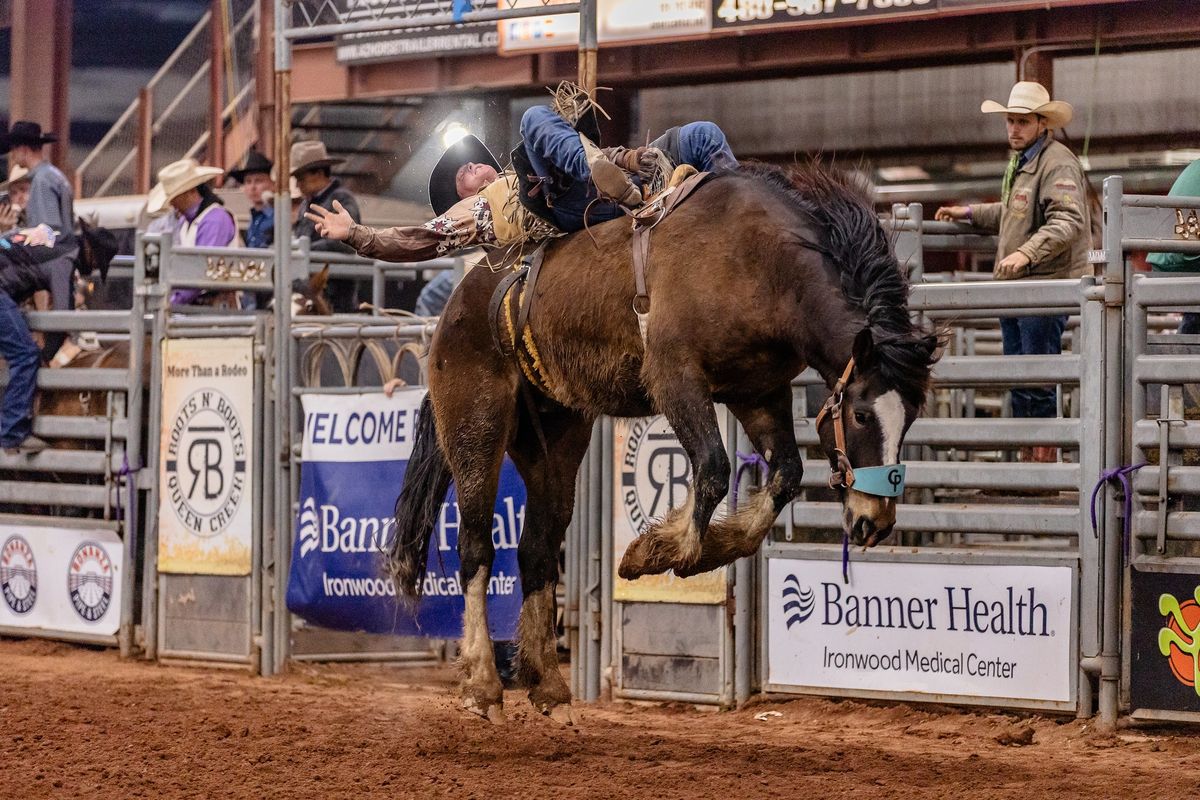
column 560, row 182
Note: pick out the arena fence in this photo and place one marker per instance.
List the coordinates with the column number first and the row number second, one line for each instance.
column 69, row 531
column 998, row 590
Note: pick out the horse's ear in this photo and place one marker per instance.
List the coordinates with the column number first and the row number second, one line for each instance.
column 317, row 282
column 864, row 349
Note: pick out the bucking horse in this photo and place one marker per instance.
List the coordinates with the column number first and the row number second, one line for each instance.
column 760, row 273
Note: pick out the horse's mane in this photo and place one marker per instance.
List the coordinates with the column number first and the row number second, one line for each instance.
column 872, row 280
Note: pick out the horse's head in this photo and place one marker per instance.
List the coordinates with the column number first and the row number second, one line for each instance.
column 308, row 296
column 863, row 425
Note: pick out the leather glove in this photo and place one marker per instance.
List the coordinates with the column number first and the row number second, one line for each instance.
column 639, row 160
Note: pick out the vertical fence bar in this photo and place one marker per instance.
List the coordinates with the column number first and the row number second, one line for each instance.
column 145, row 141
column 592, row 599
column 216, row 74
column 156, row 249
column 1115, row 434
column 743, row 596
column 587, row 45
column 281, row 457
column 1092, row 423
column 604, row 537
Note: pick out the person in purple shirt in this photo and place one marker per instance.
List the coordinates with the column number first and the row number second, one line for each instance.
column 203, row 219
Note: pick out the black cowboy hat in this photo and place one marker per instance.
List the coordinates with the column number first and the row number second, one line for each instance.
column 96, row 250
column 256, row 162
column 442, row 192
column 26, row 133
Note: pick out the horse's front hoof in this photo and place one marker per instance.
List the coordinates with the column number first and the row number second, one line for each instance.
column 564, row 715
column 643, row 558
column 652, row 553
column 491, row 711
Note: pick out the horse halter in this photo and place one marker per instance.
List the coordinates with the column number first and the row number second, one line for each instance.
column 841, row 475
column 883, row 481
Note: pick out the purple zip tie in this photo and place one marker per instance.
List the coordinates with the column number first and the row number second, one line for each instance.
column 748, row 460
column 130, row 474
column 1121, row 475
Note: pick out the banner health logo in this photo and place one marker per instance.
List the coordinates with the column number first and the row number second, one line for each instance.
column 18, row 575
column 310, row 531
column 655, row 472
column 206, row 462
column 1178, row 639
column 90, row 581
column 799, row 602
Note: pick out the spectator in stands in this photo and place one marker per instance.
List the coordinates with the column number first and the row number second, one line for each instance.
column 50, row 203
column 312, row 168
column 1186, row 185
column 1043, row 226
column 255, row 179
column 12, row 210
column 203, row 220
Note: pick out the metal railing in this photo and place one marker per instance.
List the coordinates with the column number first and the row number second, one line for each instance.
column 169, row 119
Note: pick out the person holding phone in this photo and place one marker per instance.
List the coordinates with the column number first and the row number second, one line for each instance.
column 14, row 197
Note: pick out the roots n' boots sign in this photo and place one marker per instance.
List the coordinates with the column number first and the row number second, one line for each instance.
column 206, row 458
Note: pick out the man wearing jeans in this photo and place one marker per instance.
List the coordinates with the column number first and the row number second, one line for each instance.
column 477, row 204
column 1042, row 222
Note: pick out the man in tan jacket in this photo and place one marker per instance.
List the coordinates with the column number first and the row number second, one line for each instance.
column 1042, row 222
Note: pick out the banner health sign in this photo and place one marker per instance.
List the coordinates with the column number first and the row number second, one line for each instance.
column 1164, row 652
column 979, row 631
column 356, row 448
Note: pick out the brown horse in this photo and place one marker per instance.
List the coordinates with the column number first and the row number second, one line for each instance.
column 759, row 274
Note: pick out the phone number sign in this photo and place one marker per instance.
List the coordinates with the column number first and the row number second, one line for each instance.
column 737, row 13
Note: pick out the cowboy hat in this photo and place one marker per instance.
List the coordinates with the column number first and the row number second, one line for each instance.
column 1028, row 97
column 311, row 155
column 15, row 175
column 442, row 190
column 176, row 178
column 255, row 163
column 26, row 133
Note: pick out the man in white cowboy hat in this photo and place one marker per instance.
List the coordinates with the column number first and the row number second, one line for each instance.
column 1043, row 225
column 12, row 211
column 51, row 203
column 312, row 168
column 203, row 220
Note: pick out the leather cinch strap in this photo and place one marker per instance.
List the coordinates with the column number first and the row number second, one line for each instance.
column 644, row 220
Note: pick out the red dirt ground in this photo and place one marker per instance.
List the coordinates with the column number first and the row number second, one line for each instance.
column 76, row 722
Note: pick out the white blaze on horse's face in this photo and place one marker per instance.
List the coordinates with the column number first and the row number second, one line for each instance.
column 889, row 412
column 300, row 304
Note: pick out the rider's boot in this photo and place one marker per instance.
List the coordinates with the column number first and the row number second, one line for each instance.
column 611, row 181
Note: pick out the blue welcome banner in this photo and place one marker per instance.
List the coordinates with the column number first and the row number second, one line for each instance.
column 355, row 451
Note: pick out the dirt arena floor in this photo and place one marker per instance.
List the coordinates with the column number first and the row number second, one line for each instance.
column 78, row 722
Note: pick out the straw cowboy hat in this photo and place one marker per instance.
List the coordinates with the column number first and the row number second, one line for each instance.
column 1028, row 97
column 26, row 133
column 311, row 155
column 15, row 175
column 443, row 193
column 175, row 179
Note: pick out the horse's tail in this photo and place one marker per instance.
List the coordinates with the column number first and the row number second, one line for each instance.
column 425, row 483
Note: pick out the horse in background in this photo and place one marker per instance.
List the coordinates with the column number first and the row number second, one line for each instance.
column 759, row 274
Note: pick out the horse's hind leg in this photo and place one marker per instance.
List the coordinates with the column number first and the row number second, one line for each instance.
column 768, row 423
column 550, row 485
column 681, row 394
column 476, row 420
